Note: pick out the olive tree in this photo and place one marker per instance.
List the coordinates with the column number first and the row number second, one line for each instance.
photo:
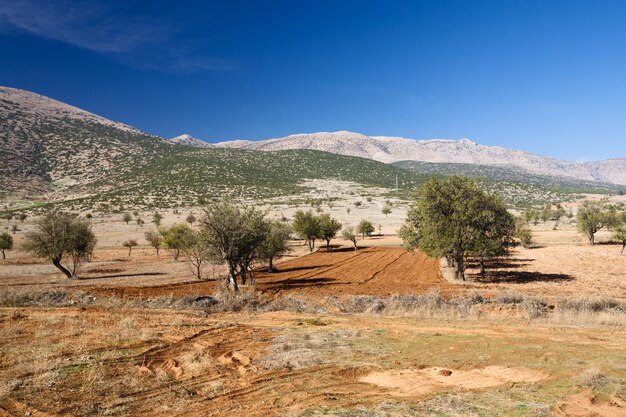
column 177, row 238
column 155, row 240
column 199, row 252
column 454, row 219
column 236, row 233
column 365, row 228
column 275, row 243
column 592, row 216
column 6, row 243
column 386, row 210
column 328, row 228
column 60, row 235
column 307, row 226
column 348, row 233
column 126, row 217
column 619, row 234
column 130, row 244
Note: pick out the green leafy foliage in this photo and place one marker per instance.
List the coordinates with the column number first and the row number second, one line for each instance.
column 455, row 219
column 57, row 235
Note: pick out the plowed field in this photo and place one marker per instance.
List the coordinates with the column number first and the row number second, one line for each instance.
column 370, row 271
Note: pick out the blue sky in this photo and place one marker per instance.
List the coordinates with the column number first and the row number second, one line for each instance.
column 544, row 76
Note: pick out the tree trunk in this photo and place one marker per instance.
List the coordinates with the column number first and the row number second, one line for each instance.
column 242, row 274
column 592, row 239
column 355, row 247
column 459, row 268
column 327, row 245
column 4, row 256
column 270, row 267
column 198, row 274
column 157, row 249
column 177, row 254
column 621, row 253
column 232, row 279
column 482, row 266
column 57, row 263
column 129, row 250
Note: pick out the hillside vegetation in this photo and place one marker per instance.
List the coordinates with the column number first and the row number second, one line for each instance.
column 53, row 153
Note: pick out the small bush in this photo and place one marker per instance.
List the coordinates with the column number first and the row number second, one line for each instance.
column 593, row 378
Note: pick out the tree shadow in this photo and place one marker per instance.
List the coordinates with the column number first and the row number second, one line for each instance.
column 506, row 270
column 291, row 284
column 501, row 263
column 143, row 274
column 520, row 277
column 344, row 249
column 278, row 270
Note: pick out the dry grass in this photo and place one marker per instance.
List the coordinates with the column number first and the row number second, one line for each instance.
column 593, row 378
column 572, row 311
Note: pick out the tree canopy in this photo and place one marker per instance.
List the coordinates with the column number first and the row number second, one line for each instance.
column 236, row 232
column 593, row 216
column 6, row 243
column 57, row 235
column 455, row 219
column 328, row 228
column 307, row 226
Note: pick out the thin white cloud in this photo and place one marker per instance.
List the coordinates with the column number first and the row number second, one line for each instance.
column 138, row 41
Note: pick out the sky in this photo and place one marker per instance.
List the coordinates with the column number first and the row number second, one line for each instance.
column 548, row 77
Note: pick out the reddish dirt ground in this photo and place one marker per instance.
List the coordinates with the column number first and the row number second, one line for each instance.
column 370, row 271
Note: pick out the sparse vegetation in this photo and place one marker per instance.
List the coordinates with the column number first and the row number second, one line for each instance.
column 6, row 243
column 155, row 240
column 620, row 235
column 523, row 232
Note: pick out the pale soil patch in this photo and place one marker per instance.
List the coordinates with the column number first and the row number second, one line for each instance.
column 586, row 404
column 414, row 382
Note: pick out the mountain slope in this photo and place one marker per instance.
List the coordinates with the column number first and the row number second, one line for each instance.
column 55, row 153
column 188, row 140
column 393, row 149
column 47, row 145
column 497, row 176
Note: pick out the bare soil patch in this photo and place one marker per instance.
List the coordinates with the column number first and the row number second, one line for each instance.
column 586, row 404
column 415, row 382
column 370, row 271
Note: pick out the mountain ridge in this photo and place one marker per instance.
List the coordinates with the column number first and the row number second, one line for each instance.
column 189, row 140
column 390, row 149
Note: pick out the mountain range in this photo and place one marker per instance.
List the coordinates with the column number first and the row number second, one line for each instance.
column 393, row 149
column 52, row 151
